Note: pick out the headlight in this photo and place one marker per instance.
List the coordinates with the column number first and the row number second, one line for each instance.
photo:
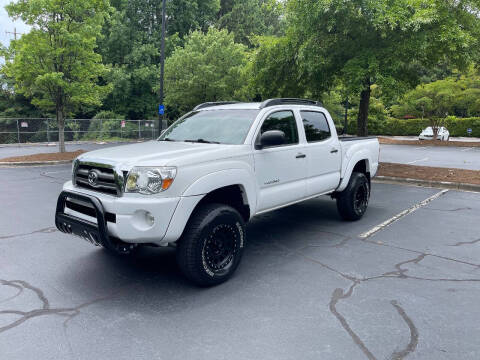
column 150, row 180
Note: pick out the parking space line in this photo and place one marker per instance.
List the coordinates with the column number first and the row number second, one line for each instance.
column 400, row 215
column 415, row 161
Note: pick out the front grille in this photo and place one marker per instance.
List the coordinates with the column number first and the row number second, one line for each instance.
column 105, row 179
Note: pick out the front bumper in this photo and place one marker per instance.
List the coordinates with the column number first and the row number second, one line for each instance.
column 124, row 217
column 96, row 233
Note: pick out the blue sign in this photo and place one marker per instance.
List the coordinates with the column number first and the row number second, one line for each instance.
column 161, row 109
column 469, row 130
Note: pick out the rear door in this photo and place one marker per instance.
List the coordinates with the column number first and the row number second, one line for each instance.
column 280, row 170
column 323, row 153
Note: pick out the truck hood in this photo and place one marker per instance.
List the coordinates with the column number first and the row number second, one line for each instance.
column 160, row 153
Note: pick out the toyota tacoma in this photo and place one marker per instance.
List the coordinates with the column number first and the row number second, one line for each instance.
column 212, row 170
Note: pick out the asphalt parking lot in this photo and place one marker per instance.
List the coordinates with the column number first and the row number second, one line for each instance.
column 310, row 285
column 451, row 157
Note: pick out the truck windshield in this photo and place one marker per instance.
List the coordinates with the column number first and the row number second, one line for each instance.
column 212, row 126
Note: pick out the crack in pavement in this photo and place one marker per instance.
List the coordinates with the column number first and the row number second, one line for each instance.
column 400, row 273
column 16, row 286
column 466, row 243
column 412, row 345
column 419, row 252
column 45, row 308
column 448, row 210
column 337, row 295
column 54, row 178
column 47, row 230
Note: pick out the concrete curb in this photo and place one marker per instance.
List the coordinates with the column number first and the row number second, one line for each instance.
column 428, row 183
column 34, row 163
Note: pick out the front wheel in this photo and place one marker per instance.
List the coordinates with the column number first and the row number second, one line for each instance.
column 212, row 244
column 353, row 201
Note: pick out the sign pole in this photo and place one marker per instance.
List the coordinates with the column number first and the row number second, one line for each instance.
column 161, row 115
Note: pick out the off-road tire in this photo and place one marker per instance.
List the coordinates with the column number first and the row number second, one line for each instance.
column 348, row 204
column 212, row 232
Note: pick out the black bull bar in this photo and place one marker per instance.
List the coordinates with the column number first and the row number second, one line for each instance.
column 96, row 234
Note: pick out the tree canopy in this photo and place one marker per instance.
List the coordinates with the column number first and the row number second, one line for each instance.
column 55, row 63
column 456, row 96
column 207, row 68
column 104, row 57
column 360, row 43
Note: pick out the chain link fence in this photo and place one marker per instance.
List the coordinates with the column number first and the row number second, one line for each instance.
column 37, row 130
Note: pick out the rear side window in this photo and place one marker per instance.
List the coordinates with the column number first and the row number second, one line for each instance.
column 284, row 121
column 315, row 125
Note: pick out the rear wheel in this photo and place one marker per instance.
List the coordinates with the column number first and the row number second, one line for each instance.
column 352, row 202
column 212, row 244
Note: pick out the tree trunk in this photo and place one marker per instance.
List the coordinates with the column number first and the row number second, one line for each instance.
column 362, row 119
column 61, row 130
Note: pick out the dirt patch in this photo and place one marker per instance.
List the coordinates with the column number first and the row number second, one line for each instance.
column 429, row 173
column 44, row 157
column 389, row 141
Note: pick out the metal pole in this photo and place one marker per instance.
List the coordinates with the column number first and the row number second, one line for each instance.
column 139, row 137
column 345, row 125
column 48, row 132
column 18, row 133
column 162, row 65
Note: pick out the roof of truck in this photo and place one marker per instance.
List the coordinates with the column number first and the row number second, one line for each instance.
column 226, row 105
column 237, row 106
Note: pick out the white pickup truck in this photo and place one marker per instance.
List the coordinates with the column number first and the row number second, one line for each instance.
column 208, row 174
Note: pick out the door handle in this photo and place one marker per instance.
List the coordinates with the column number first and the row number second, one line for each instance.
column 301, row 156
column 333, row 151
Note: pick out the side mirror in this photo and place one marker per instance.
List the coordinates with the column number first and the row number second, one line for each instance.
column 271, row 138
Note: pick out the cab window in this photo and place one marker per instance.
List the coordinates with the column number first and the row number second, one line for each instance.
column 283, row 121
column 316, row 126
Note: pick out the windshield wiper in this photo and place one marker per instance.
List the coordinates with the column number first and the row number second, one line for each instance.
column 203, row 141
column 166, row 139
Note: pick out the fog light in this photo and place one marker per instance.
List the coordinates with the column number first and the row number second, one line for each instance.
column 149, row 219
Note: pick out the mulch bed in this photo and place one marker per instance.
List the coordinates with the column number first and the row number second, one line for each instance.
column 389, row 141
column 44, row 157
column 429, row 173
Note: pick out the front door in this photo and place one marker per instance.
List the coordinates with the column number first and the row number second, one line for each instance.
column 280, row 170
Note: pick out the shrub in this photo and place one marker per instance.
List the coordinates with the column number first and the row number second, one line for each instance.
column 413, row 127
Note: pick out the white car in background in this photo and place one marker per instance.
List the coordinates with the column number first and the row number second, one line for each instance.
column 427, row 134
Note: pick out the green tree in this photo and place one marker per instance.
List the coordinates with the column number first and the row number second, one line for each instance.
column 187, row 15
column 248, row 18
column 457, row 95
column 131, row 46
column 55, row 63
column 365, row 42
column 207, row 68
column 434, row 101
